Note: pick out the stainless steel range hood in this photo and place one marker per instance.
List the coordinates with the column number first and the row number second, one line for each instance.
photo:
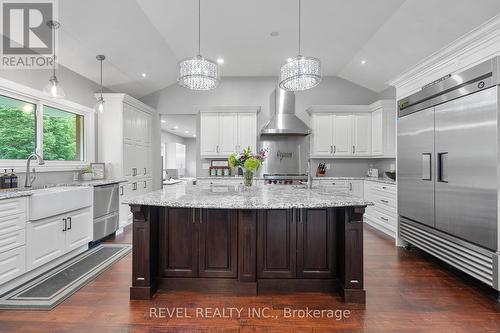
column 285, row 122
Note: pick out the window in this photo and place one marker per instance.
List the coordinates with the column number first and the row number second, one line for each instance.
column 62, row 135
column 17, row 128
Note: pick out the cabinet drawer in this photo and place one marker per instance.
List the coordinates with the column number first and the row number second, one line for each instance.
column 12, row 264
column 386, row 221
column 383, row 189
column 12, row 206
column 12, row 240
column 334, row 182
column 385, row 202
column 12, row 223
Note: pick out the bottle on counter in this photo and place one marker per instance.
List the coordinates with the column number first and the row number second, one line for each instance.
column 13, row 179
column 4, row 180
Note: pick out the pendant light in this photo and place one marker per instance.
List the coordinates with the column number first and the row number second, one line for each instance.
column 198, row 73
column 300, row 73
column 53, row 88
column 100, row 100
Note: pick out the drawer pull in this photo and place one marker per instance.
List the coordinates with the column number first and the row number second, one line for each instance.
column 384, row 219
column 140, row 279
column 384, row 188
column 384, row 201
column 121, row 190
column 64, row 223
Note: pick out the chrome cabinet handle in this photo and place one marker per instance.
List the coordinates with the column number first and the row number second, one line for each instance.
column 121, row 190
column 350, row 186
column 217, row 148
column 384, row 218
column 134, row 186
column 331, row 149
column 334, row 150
column 64, row 221
column 69, row 219
column 193, row 213
column 384, row 201
column 442, row 173
column 145, row 171
column 201, row 217
column 134, row 171
column 145, row 186
column 353, row 149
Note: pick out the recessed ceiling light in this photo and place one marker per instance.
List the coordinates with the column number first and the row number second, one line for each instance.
column 194, row 135
column 143, row 74
column 163, row 121
column 220, row 61
column 274, row 33
column 175, row 127
column 363, row 62
column 186, row 132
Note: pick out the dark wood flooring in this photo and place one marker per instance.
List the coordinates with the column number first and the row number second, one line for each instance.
column 406, row 292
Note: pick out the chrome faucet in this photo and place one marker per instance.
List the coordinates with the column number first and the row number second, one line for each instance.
column 31, row 178
column 309, row 174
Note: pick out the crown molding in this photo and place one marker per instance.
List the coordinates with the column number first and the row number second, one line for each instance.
column 480, row 44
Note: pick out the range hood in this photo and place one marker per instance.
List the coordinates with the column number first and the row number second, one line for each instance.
column 285, row 122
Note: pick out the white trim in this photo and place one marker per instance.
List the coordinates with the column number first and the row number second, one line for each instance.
column 128, row 100
column 15, row 90
column 338, row 108
column 478, row 45
column 226, row 108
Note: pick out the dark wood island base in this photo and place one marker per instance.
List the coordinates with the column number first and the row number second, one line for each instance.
column 248, row 251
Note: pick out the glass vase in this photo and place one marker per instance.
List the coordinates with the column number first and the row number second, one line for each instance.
column 247, row 177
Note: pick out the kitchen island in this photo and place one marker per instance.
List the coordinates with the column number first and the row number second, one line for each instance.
column 248, row 240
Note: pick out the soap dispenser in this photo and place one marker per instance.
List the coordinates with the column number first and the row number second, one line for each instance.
column 13, row 179
column 4, row 180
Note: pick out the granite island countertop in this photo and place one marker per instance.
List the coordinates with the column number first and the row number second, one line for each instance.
column 241, row 197
column 372, row 179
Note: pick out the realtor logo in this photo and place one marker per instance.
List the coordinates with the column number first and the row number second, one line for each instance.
column 27, row 39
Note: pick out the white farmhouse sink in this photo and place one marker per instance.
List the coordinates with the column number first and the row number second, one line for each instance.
column 57, row 200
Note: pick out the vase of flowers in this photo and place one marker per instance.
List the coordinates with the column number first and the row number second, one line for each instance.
column 249, row 162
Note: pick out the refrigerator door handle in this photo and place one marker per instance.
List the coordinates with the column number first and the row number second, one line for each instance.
column 426, row 166
column 442, row 162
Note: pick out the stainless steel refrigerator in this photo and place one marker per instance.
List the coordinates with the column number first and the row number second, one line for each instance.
column 448, row 164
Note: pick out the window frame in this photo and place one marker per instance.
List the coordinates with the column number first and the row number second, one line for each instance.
column 30, row 95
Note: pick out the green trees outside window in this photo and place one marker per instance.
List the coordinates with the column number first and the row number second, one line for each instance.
column 62, row 131
column 17, row 128
column 62, row 135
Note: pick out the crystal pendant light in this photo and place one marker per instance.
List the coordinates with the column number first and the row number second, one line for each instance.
column 100, row 100
column 198, row 73
column 300, row 73
column 53, row 88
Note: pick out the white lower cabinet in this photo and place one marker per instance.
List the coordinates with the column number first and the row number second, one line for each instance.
column 50, row 238
column 383, row 215
column 12, row 264
column 356, row 188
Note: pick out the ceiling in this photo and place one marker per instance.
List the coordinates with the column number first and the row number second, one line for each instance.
column 178, row 124
column 151, row 36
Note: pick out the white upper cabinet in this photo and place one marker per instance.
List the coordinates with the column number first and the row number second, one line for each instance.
column 384, row 128
column 209, row 133
column 353, row 130
column 228, row 133
column 361, row 136
column 322, row 129
column 342, row 134
column 223, row 132
column 247, row 131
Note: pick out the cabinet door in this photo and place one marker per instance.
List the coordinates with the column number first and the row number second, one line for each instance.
column 209, row 127
column 45, row 241
column 228, row 127
column 342, row 134
column 218, row 243
column 79, row 231
column 377, row 132
column 125, row 215
column 12, row 264
column 322, row 132
column 276, row 244
column 247, row 131
column 361, row 125
column 356, row 188
column 130, row 159
column 178, row 243
column 130, row 125
column 316, row 243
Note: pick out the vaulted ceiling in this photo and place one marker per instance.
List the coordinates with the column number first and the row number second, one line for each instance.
column 151, row 36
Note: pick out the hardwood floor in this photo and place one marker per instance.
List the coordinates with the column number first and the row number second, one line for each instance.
column 406, row 292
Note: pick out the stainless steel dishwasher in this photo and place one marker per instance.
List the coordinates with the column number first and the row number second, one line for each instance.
column 106, row 207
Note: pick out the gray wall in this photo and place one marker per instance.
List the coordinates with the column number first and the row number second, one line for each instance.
column 256, row 91
column 191, row 151
column 78, row 88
